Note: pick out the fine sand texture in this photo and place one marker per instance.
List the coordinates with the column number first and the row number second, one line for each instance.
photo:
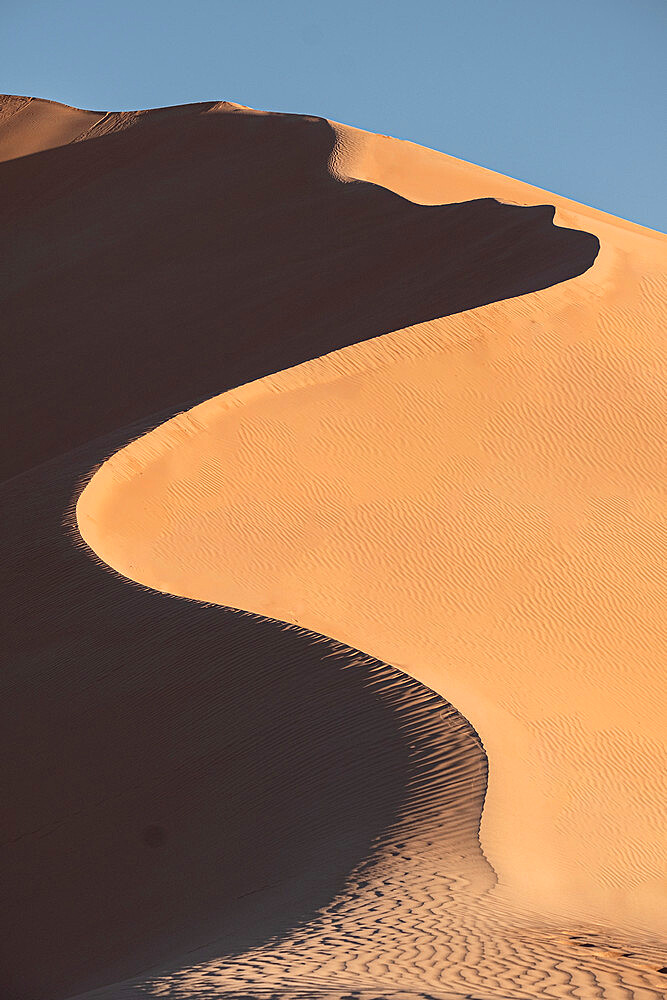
column 437, row 442
column 29, row 126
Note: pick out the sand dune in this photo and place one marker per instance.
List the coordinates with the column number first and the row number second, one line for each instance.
column 477, row 500
column 216, row 804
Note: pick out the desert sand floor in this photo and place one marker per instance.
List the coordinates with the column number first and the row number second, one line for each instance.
column 210, row 803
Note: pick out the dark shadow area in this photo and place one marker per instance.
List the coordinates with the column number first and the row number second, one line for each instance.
column 181, row 777
column 177, row 774
column 164, row 264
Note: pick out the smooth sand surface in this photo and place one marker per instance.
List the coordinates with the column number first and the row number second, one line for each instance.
column 216, row 804
column 28, row 125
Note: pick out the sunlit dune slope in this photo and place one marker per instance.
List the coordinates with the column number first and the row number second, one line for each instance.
column 28, row 125
column 477, row 499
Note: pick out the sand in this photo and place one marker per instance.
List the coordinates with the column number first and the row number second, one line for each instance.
column 467, row 488
column 29, row 126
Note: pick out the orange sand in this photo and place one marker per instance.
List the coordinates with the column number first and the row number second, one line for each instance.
column 477, row 499
column 29, row 126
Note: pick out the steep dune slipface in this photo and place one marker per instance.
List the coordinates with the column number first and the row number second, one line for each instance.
column 205, row 801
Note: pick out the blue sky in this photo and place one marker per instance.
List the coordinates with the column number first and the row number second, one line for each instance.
column 565, row 94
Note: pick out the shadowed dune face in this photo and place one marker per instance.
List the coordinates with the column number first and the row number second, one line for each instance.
column 181, row 775
column 156, row 266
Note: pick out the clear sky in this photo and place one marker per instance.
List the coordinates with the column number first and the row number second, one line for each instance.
column 567, row 94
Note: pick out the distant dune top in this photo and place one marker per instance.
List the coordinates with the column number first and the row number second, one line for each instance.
column 32, row 124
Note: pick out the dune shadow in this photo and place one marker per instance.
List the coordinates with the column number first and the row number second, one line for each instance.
column 180, row 774
column 184, row 779
column 158, row 266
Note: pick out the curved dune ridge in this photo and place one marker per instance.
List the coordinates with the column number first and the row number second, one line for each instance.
column 207, row 803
